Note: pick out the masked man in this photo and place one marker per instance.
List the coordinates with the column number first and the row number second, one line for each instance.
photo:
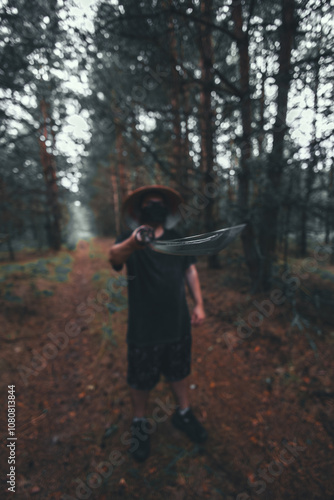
column 159, row 323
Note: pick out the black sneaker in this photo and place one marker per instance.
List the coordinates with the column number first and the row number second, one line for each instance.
column 141, row 448
column 189, row 424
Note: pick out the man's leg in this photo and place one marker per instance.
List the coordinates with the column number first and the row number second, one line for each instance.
column 177, row 365
column 183, row 418
column 140, row 449
column 142, row 376
column 139, row 402
column 180, row 390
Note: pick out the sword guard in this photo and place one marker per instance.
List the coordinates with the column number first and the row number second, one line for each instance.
column 146, row 235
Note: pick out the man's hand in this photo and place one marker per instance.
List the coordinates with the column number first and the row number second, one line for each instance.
column 143, row 235
column 198, row 315
column 120, row 252
column 192, row 280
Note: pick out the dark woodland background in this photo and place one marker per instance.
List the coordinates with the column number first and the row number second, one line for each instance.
column 230, row 103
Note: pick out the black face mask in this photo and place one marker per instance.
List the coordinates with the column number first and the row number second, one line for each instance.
column 154, row 211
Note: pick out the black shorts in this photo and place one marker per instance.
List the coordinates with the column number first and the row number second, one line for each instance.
column 145, row 364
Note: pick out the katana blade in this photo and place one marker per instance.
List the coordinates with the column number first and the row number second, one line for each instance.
column 200, row 244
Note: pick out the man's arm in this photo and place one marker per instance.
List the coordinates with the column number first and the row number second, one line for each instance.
column 120, row 252
column 192, row 280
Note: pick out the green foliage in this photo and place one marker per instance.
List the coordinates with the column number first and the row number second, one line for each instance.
column 59, row 268
column 9, row 297
column 52, row 269
column 28, row 270
column 61, row 273
column 118, row 302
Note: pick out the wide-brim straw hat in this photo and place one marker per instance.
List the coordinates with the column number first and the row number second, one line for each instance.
column 131, row 205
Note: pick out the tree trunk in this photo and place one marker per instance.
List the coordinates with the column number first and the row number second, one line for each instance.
column 310, row 172
column 286, row 236
column 115, row 196
column 176, row 160
column 330, row 206
column 6, row 220
column 188, row 167
column 206, row 117
column 303, row 231
column 286, row 231
column 247, row 236
column 122, row 174
column 121, row 166
column 271, row 198
column 49, row 169
column 262, row 108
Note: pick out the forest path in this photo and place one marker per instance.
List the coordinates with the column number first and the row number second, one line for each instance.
column 266, row 398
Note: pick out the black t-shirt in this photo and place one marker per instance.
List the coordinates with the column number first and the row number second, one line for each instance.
column 158, row 311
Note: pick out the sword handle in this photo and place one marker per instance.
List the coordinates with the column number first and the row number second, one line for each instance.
column 145, row 235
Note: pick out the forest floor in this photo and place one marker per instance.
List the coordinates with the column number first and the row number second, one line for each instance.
column 265, row 394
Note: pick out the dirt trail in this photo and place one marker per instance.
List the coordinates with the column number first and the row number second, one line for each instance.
column 258, row 401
